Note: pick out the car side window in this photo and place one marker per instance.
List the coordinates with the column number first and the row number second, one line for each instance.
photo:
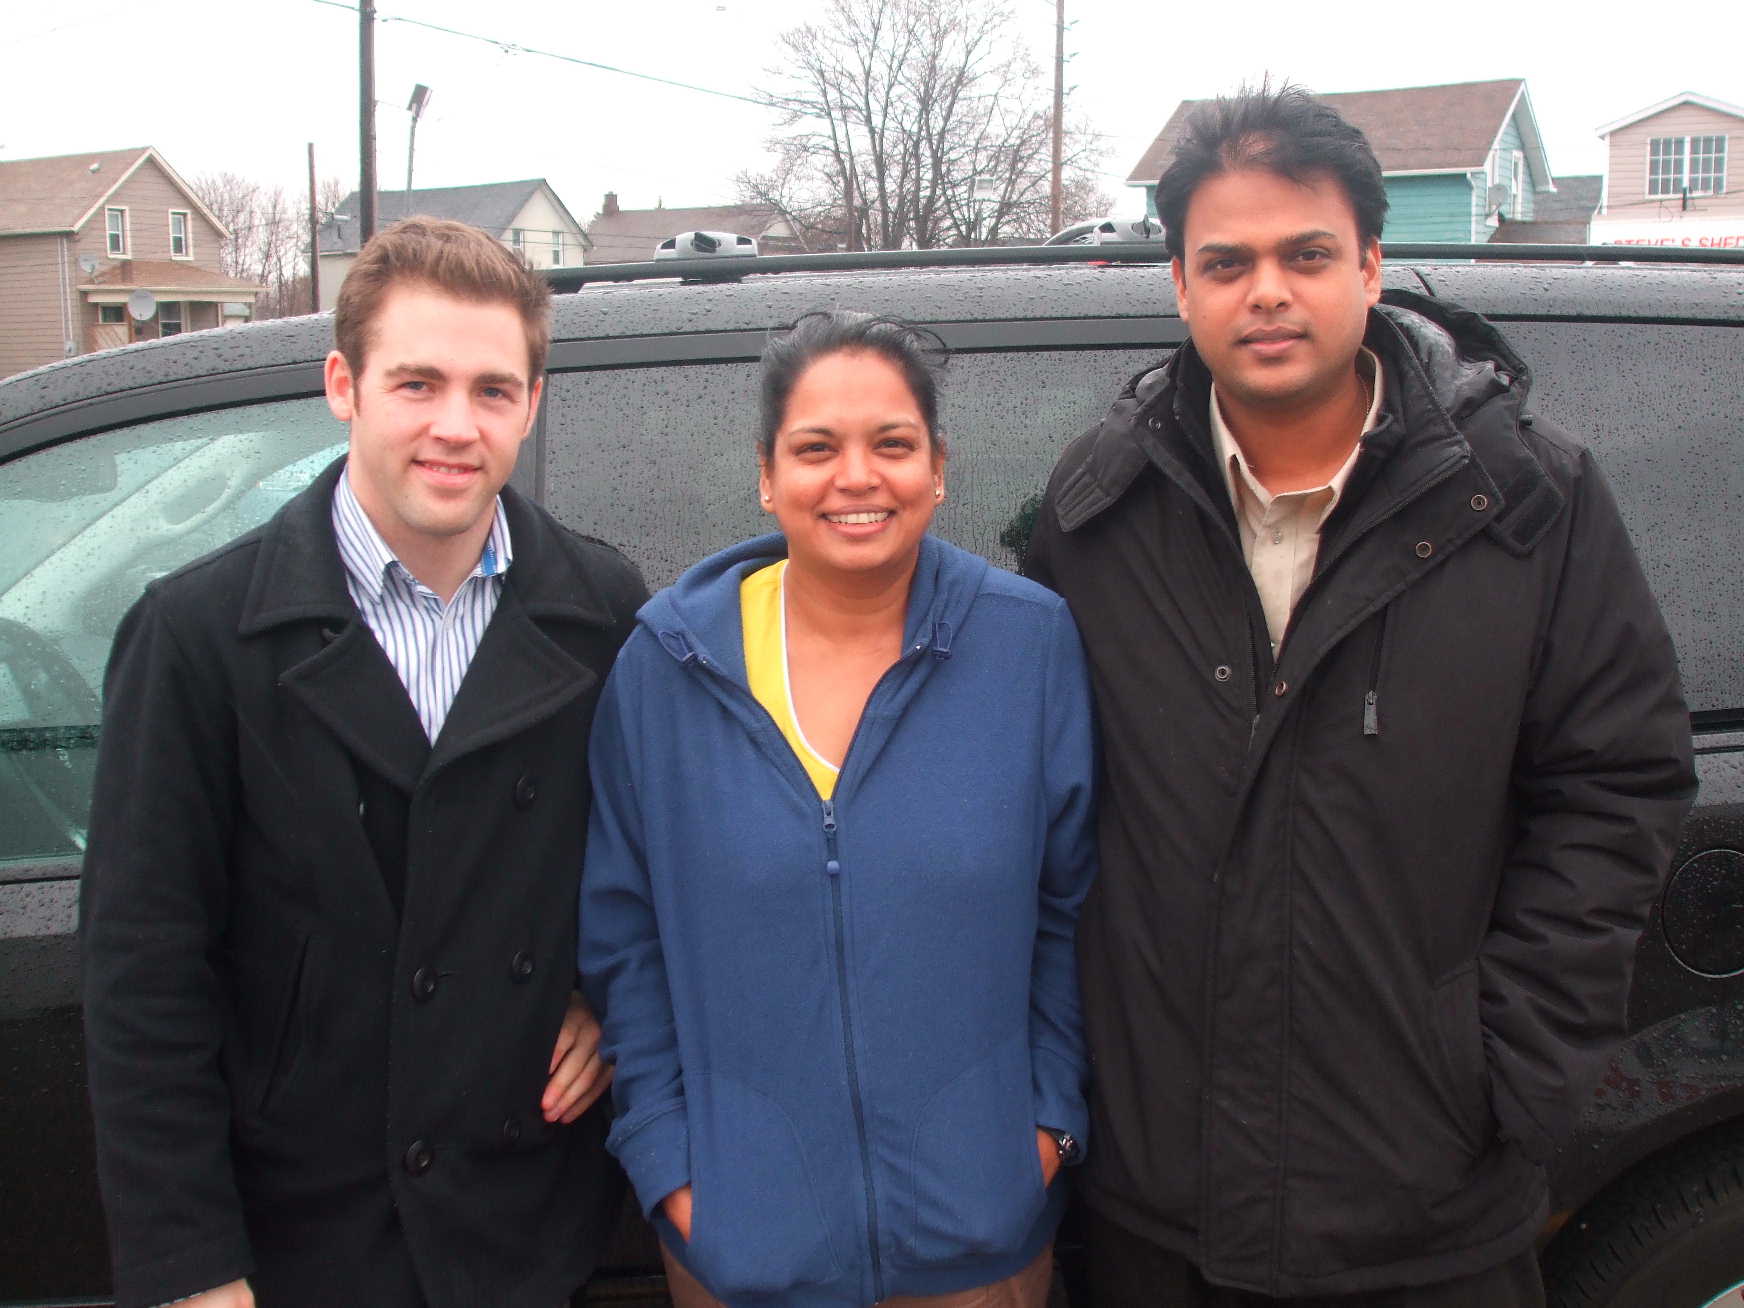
column 661, row 461
column 88, row 523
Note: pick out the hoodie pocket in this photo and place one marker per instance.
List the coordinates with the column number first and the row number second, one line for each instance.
column 1460, row 1037
column 756, row 1226
column 975, row 1173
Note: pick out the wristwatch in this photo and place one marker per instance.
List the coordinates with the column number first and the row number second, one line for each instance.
column 1067, row 1143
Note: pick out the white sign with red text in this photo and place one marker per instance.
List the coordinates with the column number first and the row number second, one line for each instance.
column 1685, row 234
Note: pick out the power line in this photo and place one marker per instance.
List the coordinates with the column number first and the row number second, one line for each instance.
column 514, row 47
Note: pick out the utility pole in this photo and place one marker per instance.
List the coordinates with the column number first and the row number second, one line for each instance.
column 314, row 238
column 1055, row 194
column 366, row 117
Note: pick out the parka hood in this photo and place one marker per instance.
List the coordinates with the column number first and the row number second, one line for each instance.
column 698, row 615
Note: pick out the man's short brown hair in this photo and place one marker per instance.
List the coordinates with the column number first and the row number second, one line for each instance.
column 454, row 258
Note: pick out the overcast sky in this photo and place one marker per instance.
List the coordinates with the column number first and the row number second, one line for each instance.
column 243, row 85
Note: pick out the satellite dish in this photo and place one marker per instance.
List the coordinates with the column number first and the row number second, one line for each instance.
column 141, row 304
column 88, row 264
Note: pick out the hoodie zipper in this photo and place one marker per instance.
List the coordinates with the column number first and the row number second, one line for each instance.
column 680, row 647
column 941, row 645
column 833, row 871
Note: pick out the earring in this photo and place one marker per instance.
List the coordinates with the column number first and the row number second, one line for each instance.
column 766, row 499
column 938, row 492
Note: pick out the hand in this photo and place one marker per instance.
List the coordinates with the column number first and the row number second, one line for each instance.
column 234, row 1295
column 578, row 1077
column 1050, row 1152
column 676, row 1206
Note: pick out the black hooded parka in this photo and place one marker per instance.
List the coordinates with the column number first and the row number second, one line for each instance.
column 1365, row 923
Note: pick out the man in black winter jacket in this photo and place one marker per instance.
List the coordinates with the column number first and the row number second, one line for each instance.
column 1395, row 759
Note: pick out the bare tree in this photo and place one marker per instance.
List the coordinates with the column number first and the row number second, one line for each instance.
column 915, row 124
column 269, row 233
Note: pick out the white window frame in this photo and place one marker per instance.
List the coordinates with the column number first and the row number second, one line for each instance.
column 556, row 249
column 187, row 251
column 1680, row 150
column 163, row 319
column 517, row 240
column 110, row 235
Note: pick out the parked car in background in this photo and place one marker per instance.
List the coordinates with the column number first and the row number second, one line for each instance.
column 117, row 467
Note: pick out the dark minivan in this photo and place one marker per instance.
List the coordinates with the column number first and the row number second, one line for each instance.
column 119, row 467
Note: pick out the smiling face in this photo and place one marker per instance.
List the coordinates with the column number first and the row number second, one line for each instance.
column 437, row 417
column 1276, row 286
column 852, row 476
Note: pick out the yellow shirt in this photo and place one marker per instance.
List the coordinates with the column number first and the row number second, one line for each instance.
column 763, row 616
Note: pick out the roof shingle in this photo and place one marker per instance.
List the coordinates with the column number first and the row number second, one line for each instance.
column 52, row 194
column 630, row 235
column 1410, row 129
column 491, row 205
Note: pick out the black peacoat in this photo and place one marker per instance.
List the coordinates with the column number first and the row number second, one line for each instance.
column 1362, row 936
column 326, row 961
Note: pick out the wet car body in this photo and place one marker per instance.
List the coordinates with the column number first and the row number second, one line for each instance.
column 120, row 466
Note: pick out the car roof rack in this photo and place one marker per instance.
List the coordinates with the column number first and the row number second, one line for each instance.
column 735, row 269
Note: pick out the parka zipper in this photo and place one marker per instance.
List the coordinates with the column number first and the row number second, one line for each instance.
column 833, row 871
column 1371, row 721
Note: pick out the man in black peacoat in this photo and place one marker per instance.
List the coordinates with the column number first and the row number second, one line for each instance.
column 329, row 963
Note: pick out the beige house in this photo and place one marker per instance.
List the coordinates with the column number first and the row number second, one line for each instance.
column 81, row 236
column 1668, row 173
column 526, row 216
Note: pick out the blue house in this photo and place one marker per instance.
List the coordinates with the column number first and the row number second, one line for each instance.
column 1458, row 160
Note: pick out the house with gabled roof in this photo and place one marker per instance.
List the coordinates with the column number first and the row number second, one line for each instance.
column 526, row 216
column 1457, row 159
column 1668, row 176
column 105, row 248
column 622, row 235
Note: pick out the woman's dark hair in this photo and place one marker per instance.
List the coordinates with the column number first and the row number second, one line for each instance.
column 913, row 351
column 1283, row 131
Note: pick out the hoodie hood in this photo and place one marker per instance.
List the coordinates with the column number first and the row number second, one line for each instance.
column 698, row 615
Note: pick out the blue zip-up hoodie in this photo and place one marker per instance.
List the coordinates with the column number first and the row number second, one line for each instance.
column 841, row 1022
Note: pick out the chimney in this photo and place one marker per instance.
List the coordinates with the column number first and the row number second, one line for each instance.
column 610, row 208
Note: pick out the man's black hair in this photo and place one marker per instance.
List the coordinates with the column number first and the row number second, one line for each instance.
column 1283, row 131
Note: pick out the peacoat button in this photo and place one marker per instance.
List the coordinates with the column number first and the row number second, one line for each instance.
column 418, row 1158
column 1222, row 672
column 526, row 791
column 362, row 808
column 423, row 983
column 1280, row 688
column 1424, row 549
column 511, row 1130
column 1480, row 502
column 1155, row 424
column 521, row 965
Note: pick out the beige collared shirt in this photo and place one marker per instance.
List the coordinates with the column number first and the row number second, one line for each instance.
column 1280, row 534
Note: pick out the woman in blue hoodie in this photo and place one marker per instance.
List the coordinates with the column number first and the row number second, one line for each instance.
column 841, row 828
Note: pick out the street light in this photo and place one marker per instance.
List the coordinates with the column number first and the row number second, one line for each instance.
column 420, row 98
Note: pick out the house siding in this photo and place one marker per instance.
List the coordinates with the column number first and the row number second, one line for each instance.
column 1626, row 173
column 148, row 196
column 1441, row 207
column 32, row 302
column 1519, row 207
column 538, row 218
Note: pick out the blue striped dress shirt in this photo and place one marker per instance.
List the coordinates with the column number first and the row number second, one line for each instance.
column 430, row 644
